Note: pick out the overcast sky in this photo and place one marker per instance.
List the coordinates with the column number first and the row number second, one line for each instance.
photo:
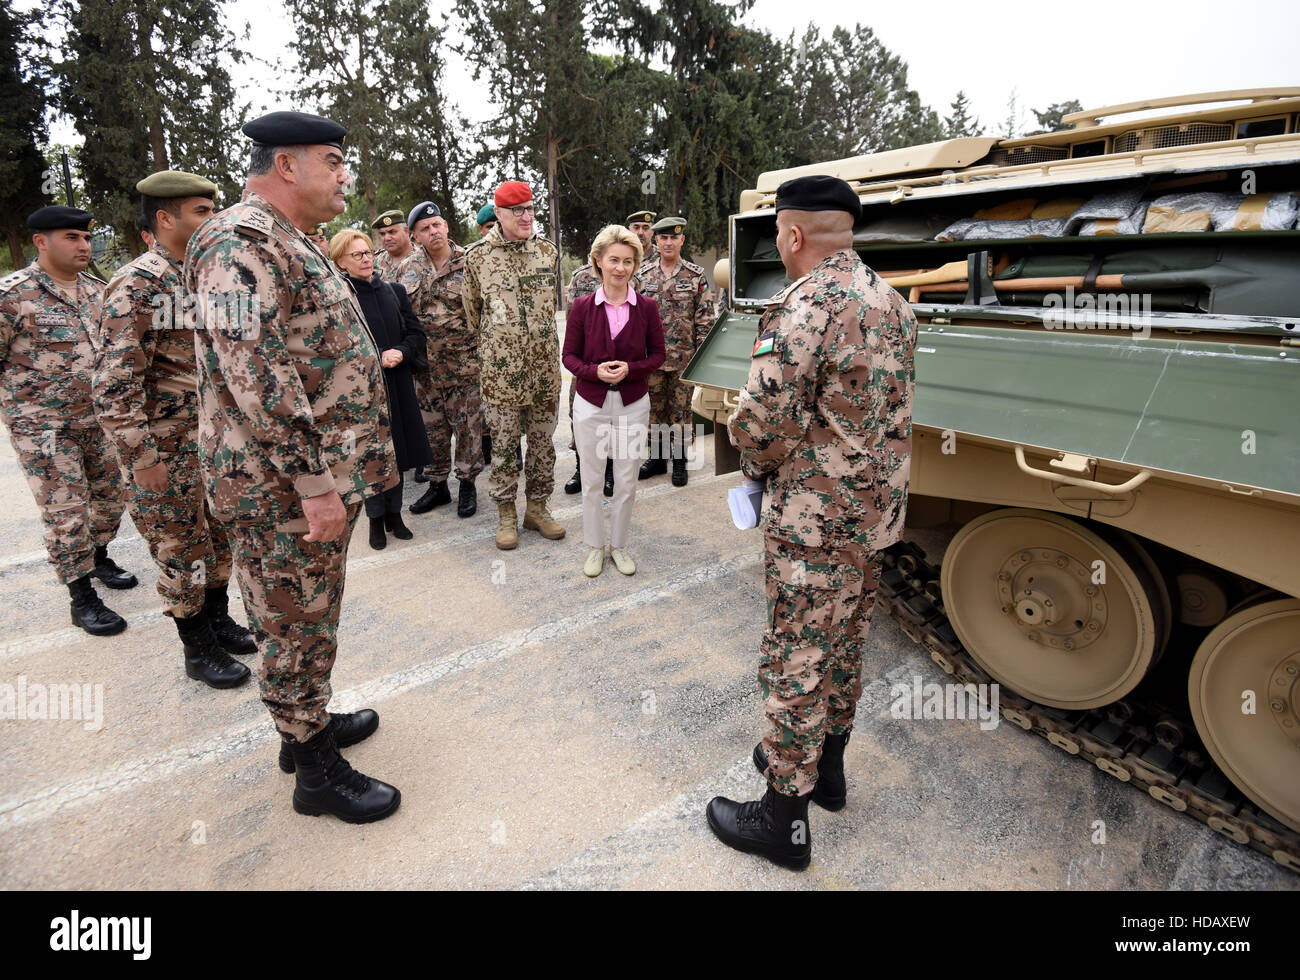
column 1100, row 52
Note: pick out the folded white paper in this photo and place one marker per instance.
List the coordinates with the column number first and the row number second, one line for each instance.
column 746, row 503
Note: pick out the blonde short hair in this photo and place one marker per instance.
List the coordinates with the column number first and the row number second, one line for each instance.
column 614, row 235
column 340, row 242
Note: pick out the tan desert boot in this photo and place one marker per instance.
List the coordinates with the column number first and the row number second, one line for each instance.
column 538, row 518
column 507, row 526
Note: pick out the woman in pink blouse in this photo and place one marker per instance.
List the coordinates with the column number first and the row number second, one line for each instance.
column 613, row 340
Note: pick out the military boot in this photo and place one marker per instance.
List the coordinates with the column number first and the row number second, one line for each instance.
column 507, row 526
column 487, row 449
column 420, row 476
column 775, row 826
column 831, row 791
column 89, row 611
column 575, row 481
column 679, row 466
column 349, row 729
column 394, row 524
column 108, row 572
column 539, row 519
column 378, row 539
column 232, row 637
column 204, row 659
column 325, row 783
column 656, row 463
column 467, row 505
column 435, row 496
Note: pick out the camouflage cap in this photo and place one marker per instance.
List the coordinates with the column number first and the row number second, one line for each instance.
column 176, row 183
column 669, row 226
column 485, row 214
column 60, row 216
column 635, row 216
column 388, row 219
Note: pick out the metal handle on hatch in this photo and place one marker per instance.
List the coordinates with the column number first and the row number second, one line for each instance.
column 1132, row 484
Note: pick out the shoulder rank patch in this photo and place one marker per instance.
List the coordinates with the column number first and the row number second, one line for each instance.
column 14, row 279
column 153, row 263
column 763, row 345
column 257, row 219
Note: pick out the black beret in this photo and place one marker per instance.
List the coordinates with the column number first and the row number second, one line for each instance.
column 425, row 209
column 818, row 193
column 60, row 216
column 295, row 129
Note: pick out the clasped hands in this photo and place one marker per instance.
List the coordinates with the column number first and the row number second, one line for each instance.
column 611, row 372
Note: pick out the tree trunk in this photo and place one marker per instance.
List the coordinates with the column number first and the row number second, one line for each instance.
column 553, row 192
column 153, row 107
column 15, row 241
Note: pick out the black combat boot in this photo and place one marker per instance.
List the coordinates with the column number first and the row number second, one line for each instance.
column 656, row 463
column 394, row 524
column 679, row 466
column 89, row 611
column 232, row 637
column 467, row 506
column 108, row 572
column 377, row 539
column 519, row 457
column 487, row 449
column 831, row 791
column 420, row 476
column 435, row 496
column 204, row 659
column 349, row 729
column 775, row 826
column 575, row 482
column 327, row 784
column 609, row 477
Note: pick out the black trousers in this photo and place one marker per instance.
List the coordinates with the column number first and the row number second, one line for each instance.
column 388, row 502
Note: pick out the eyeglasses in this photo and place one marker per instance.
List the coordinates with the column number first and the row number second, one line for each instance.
column 355, row 256
column 522, row 210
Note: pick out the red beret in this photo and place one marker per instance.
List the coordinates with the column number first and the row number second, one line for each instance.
column 512, row 192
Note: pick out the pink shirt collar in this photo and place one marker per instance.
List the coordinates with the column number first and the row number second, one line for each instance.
column 600, row 295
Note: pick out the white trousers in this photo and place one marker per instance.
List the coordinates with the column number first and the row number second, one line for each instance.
column 613, row 431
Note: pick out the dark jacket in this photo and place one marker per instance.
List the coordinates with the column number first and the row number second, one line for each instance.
column 587, row 344
column 392, row 321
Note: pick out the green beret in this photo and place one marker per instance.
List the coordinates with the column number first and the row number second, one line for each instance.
column 388, row 219
column 295, row 129
column 485, row 214
column 60, row 216
column 635, row 216
column 669, row 226
column 176, row 183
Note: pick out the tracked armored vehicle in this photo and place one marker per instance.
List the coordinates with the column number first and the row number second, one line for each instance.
column 1108, row 411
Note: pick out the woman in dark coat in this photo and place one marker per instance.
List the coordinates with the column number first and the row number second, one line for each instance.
column 400, row 341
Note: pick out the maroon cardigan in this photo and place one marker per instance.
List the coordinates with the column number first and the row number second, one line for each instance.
column 587, row 344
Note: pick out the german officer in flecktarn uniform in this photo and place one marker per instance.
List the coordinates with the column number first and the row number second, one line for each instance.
column 826, row 418
column 145, row 395
column 49, row 319
column 293, row 436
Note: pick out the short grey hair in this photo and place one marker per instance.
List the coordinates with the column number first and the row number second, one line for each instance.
column 262, row 158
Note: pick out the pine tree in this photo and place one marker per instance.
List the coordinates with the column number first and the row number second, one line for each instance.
column 25, row 183
column 1050, row 119
column 1011, row 125
column 961, row 122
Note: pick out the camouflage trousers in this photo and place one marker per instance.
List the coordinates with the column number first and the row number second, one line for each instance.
column 191, row 550
column 819, row 610
column 537, row 424
column 77, row 482
column 452, row 411
column 670, row 405
column 292, row 590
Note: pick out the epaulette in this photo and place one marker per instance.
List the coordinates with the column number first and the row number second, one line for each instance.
column 692, row 267
column 257, row 220
column 15, row 279
column 473, row 245
column 153, row 264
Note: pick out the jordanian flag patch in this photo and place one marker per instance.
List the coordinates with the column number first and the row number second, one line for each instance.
column 763, row 345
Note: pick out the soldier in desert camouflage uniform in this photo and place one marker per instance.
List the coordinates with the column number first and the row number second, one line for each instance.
column 826, row 418
column 641, row 224
column 293, row 436
column 509, row 297
column 448, row 390
column 584, row 282
column 147, row 404
column 395, row 237
column 682, row 292
column 49, row 317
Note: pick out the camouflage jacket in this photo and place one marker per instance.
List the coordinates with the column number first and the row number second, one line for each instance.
column 585, row 281
column 509, row 299
column 684, row 306
column 436, row 298
column 390, row 268
column 292, row 401
column 144, row 375
column 47, row 351
column 827, row 411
